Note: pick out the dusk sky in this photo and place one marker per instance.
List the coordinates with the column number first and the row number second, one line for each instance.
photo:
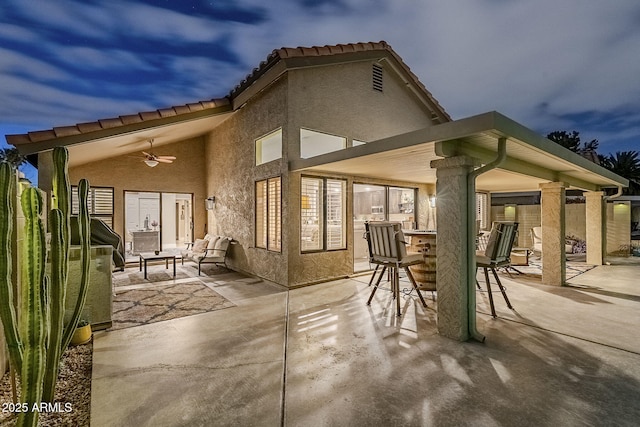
column 548, row 64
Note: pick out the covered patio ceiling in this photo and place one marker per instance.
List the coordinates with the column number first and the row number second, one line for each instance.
column 137, row 141
column 531, row 158
column 95, row 141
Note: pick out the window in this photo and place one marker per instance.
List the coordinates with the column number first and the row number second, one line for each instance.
column 269, row 147
column 482, row 211
column 314, row 143
column 269, row 214
column 355, row 143
column 322, row 214
column 100, row 201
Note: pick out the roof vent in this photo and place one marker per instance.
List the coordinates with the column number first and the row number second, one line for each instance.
column 377, row 77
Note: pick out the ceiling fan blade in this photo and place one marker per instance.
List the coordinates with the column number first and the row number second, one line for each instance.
column 161, row 160
column 147, row 154
column 166, row 157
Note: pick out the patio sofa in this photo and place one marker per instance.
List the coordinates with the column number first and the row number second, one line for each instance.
column 210, row 250
column 536, row 238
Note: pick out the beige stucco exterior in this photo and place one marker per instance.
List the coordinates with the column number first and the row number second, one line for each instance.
column 330, row 89
column 335, row 99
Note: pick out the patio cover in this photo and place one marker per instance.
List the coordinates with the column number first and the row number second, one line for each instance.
column 531, row 158
column 524, row 161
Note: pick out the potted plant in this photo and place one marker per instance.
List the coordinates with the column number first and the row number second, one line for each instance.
column 82, row 335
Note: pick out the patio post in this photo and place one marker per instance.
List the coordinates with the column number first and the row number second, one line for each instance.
column 552, row 207
column 451, row 253
column 595, row 226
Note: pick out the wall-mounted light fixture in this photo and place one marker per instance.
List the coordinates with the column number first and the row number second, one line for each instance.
column 210, row 202
column 510, row 212
column 432, row 201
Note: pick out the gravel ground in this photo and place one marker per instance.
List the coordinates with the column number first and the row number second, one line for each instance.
column 73, row 391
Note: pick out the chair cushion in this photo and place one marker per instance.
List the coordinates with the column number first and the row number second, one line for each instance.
column 220, row 247
column 199, row 245
column 411, row 259
column 212, row 242
column 482, row 260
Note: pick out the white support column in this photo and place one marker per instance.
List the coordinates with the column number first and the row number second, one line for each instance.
column 552, row 207
column 451, row 252
column 595, row 227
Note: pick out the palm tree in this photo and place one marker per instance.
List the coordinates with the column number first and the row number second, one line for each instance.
column 12, row 156
column 625, row 164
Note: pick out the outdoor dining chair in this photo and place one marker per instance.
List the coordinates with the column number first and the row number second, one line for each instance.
column 496, row 255
column 388, row 249
column 371, row 258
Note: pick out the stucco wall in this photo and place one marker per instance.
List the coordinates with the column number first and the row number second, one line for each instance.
column 336, row 99
column 231, row 177
column 339, row 99
column 185, row 175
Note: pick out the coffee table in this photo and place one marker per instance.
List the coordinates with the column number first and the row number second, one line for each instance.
column 152, row 256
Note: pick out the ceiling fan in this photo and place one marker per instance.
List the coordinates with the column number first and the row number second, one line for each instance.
column 152, row 159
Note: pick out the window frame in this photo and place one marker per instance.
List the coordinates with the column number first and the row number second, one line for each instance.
column 324, row 214
column 75, row 201
column 262, row 138
column 272, row 240
column 344, row 139
column 483, row 210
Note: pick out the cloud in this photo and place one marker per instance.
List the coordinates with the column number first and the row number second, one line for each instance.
column 547, row 64
column 36, row 102
column 107, row 20
column 89, row 59
column 20, row 64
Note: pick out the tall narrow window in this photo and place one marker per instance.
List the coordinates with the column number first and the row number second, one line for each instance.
column 275, row 214
column 311, row 208
column 261, row 214
column 322, row 214
column 336, row 214
column 269, row 214
column 482, row 211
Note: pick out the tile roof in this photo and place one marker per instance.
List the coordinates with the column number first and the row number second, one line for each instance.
column 104, row 124
column 276, row 56
column 332, row 50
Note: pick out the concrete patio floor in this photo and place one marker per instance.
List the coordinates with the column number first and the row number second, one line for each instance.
column 319, row 356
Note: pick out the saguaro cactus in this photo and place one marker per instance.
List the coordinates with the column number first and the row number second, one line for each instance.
column 7, row 309
column 36, row 334
column 33, row 323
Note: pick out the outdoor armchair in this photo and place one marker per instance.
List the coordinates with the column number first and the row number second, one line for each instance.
column 497, row 254
column 536, row 240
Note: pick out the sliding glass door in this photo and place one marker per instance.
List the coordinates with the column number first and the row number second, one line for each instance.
column 156, row 221
column 378, row 203
column 369, row 203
